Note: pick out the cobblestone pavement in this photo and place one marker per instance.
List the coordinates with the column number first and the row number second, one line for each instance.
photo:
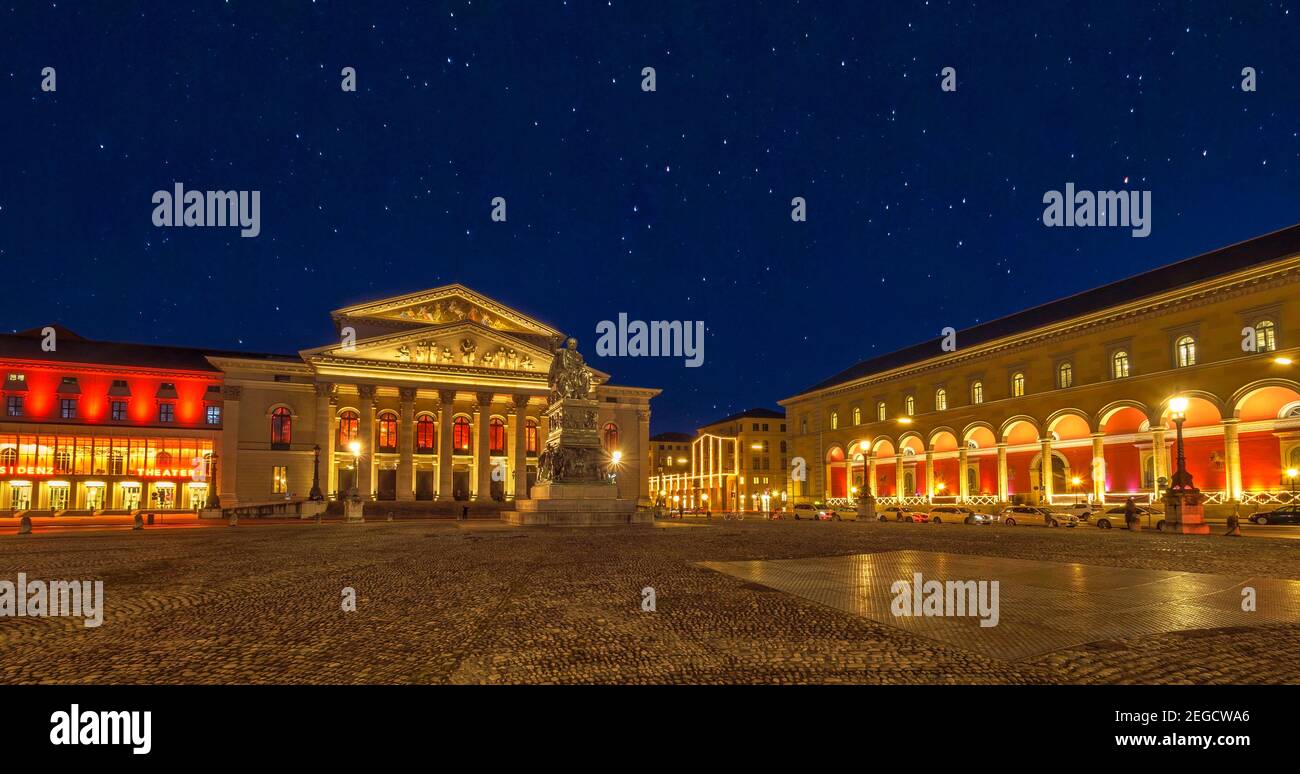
column 447, row 602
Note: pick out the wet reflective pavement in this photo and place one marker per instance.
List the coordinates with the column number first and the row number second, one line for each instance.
column 1042, row 606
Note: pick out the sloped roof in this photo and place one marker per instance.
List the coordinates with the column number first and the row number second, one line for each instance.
column 72, row 348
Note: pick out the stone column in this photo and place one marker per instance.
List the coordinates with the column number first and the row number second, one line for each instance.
column 1099, row 467
column 446, row 408
column 1045, row 467
column 406, row 445
column 963, row 484
column 325, row 402
column 871, row 476
column 642, row 456
column 366, row 435
column 228, row 449
column 482, row 459
column 1158, row 466
column 1004, row 493
column 519, row 447
column 898, row 477
column 1232, row 460
column 929, row 476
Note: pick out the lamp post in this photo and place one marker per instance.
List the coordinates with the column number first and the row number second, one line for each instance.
column 1292, row 474
column 1183, row 509
column 214, row 500
column 315, row 493
column 355, row 491
column 1181, row 480
column 1076, row 482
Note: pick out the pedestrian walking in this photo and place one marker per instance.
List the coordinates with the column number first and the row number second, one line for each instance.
column 1130, row 513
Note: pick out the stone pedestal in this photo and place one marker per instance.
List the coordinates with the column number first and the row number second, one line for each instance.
column 353, row 510
column 866, row 508
column 1184, row 512
column 573, row 488
column 313, row 509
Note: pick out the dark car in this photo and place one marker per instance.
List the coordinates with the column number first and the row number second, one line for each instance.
column 1286, row 514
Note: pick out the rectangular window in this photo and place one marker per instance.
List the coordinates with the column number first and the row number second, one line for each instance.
column 279, row 479
column 166, row 412
column 14, row 406
column 68, row 408
column 117, row 410
column 213, row 415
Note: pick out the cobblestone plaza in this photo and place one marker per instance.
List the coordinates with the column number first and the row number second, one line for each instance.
column 480, row 602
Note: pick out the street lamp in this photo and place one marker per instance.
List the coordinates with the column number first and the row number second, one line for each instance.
column 355, row 448
column 1076, row 481
column 315, row 494
column 1181, row 480
column 214, row 500
column 1293, row 474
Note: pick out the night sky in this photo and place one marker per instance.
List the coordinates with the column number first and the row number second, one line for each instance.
column 924, row 207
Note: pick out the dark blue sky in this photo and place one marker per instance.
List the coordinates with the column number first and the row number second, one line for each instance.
column 924, row 207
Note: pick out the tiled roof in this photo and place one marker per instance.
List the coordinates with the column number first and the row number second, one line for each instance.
column 72, row 348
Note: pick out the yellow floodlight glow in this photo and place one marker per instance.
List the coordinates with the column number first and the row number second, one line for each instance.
column 1178, row 405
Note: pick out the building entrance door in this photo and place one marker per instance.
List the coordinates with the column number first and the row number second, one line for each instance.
column 59, row 496
column 424, row 484
column 460, row 484
column 130, row 496
column 20, row 495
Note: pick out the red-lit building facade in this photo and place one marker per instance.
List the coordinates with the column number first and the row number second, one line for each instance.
column 101, row 427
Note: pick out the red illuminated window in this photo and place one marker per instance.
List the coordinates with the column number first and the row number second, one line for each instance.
column 426, row 439
column 460, row 435
column 530, row 436
column 349, row 422
column 388, row 431
column 496, row 436
column 281, row 427
column 609, row 437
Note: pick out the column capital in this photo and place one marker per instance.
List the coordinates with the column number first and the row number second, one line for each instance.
column 1229, row 421
column 324, row 389
column 406, row 394
column 231, row 392
column 447, row 397
column 484, row 399
column 366, row 391
column 520, row 402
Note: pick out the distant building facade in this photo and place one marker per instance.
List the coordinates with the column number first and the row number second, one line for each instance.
column 1090, row 383
column 738, row 462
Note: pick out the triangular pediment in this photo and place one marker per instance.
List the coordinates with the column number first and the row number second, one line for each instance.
column 445, row 305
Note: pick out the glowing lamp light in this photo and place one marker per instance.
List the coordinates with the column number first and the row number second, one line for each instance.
column 617, row 457
column 355, row 448
column 1283, row 360
column 904, row 420
column 1076, row 481
column 941, row 486
column 1292, row 473
column 1178, row 406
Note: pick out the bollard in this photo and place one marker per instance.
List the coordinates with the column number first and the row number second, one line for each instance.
column 150, row 520
column 25, row 525
column 234, row 519
column 137, row 522
column 1234, row 526
column 390, row 515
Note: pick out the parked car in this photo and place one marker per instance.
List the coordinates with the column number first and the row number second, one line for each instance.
column 960, row 513
column 1083, row 510
column 1285, row 514
column 902, row 514
column 1031, row 514
column 1115, row 516
column 805, row 511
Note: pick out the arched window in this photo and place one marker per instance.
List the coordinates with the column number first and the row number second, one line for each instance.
column 609, row 437
column 388, row 432
column 857, row 415
column 349, row 423
column 835, row 420
column 1265, row 336
column 496, row 436
column 1185, row 351
column 1065, row 376
column 1017, row 385
column 530, row 436
column 1119, row 365
column 880, row 411
column 281, row 426
column 977, row 393
column 941, row 399
column 426, row 436
column 909, row 405
column 162, row 460
column 460, row 435
column 9, row 456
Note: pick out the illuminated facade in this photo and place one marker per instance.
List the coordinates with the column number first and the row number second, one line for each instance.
column 95, row 427
column 1085, row 382
column 432, row 396
column 736, row 463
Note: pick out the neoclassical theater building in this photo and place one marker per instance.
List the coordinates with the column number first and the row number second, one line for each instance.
column 432, row 396
column 1088, row 382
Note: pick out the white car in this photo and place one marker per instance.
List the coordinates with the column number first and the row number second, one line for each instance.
column 1031, row 514
column 960, row 514
column 1083, row 510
